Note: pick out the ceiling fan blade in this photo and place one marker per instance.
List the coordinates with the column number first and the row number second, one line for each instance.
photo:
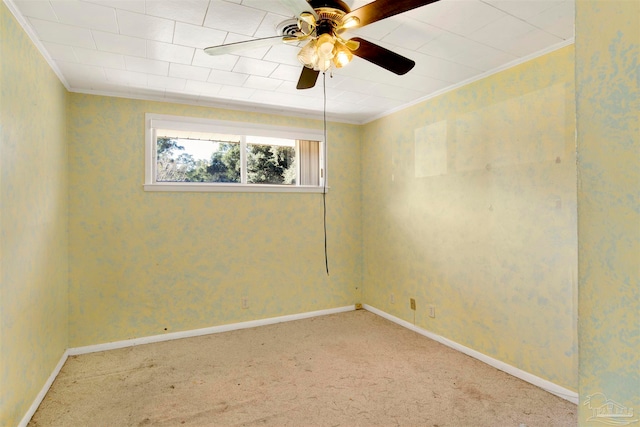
column 246, row 44
column 381, row 9
column 299, row 6
column 307, row 78
column 382, row 57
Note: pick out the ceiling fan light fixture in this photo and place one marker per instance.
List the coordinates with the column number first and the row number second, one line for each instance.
column 325, row 47
column 323, row 65
column 308, row 55
column 342, row 56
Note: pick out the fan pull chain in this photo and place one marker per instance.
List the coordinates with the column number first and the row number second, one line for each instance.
column 324, row 181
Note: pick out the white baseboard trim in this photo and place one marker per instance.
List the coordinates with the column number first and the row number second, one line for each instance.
column 546, row 385
column 43, row 392
column 167, row 337
column 204, row 331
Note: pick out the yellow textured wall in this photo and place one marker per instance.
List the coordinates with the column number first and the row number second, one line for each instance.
column 608, row 118
column 469, row 204
column 33, row 221
column 146, row 263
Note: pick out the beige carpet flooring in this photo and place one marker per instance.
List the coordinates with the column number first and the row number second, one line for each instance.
column 348, row 369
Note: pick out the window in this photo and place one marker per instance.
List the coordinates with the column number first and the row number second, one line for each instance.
column 190, row 154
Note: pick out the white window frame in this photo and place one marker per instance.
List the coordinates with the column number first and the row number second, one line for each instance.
column 163, row 121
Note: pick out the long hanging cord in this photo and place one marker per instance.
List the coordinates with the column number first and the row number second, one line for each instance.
column 324, row 181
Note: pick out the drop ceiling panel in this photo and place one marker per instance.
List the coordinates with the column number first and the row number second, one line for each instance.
column 154, row 49
column 81, row 14
column 116, row 43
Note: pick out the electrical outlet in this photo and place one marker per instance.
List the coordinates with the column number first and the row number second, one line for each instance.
column 432, row 311
column 245, row 302
column 392, row 298
column 412, row 302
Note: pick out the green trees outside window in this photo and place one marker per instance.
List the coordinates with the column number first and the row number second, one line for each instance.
column 266, row 164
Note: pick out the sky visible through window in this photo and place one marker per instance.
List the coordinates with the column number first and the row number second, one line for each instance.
column 202, row 149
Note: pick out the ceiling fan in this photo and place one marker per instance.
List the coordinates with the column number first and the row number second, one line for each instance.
column 322, row 24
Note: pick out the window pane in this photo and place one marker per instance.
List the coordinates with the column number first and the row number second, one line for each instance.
column 188, row 160
column 271, row 164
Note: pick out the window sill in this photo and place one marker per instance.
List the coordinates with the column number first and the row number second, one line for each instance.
column 231, row 188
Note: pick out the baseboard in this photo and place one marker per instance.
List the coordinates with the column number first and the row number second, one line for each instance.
column 167, row 337
column 546, row 385
column 204, row 331
column 43, row 392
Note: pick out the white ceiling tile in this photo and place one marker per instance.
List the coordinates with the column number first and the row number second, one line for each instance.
column 145, row 26
column 448, row 46
column 523, row 9
column 441, row 69
column 530, row 43
column 294, row 101
column 498, row 32
column 196, row 36
column 148, row 66
column 284, row 54
column 345, row 96
column 76, row 73
column 189, row 72
column 379, row 102
column 461, row 17
column 86, row 15
column 130, row 5
column 207, row 89
column 287, row 72
column 169, row 52
column 354, row 85
column 412, row 34
column 271, row 6
column 375, row 31
column 61, row 52
column 235, row 92
column 120, row 44
column 483, row 57
column 254, row 66
column 264, row 83
column 39, row 9
column 218, row 62
column 190, row 11
column 332, row 79
column 558, row 20
column 166, row 82
column 288, row 88
column 233, row 17
column 422, row 84
column 396, row 92
column 227, row 78
column 99, row 59
column 127, row 78
column 62, row 33
column 467, row 52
